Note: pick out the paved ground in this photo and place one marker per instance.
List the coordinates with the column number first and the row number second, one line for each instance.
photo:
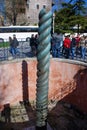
column 61, row 116
column 22, row 118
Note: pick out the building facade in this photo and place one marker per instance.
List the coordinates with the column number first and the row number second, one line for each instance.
column 30, row 15
column 33, row 8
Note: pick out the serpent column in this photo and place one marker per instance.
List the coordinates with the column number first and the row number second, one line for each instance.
column 43, row 63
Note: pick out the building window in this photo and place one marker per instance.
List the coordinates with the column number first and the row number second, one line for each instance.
column 27, row 3
column 44, row 6
column 28, row 6
column 37, row 6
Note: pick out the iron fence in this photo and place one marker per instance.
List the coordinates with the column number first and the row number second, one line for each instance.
column 24, row 50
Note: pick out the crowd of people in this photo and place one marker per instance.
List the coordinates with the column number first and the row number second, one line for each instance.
column 34, row 44
column 70, row 45
column 14, row 43
column 61, row 45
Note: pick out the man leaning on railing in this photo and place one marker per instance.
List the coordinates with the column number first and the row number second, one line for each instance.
column 13, row 46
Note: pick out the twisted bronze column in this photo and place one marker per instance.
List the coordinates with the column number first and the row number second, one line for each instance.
column 43, row 59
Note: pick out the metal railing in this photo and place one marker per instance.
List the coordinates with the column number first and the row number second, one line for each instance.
column 24, row 50
column 77, row 55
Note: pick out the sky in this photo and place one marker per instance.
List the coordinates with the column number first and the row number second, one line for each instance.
column 56, row 1
column 73, row 1
column 55, row 7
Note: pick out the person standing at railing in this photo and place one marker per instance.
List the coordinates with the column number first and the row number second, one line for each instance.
column 67, row 46
column 59, row 44
column 86, row 43
column 53, row 46
column 10, row 43
column 32, row 44
column 13, row 44
column 83, row 47
column 73, row 46
column 78, row 49
column 36, row 42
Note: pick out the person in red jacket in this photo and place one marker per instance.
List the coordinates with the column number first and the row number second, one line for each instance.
column 67, row 45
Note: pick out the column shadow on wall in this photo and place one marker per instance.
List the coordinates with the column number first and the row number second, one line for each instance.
column 25, row 82
column 25, row 89
column 78, row 96
column 23, row 115
column 68, row 111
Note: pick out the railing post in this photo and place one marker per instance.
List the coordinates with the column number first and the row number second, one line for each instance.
column 43, row 62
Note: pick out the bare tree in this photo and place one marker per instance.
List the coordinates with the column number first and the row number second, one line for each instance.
column 13, row 8
column 1, row 20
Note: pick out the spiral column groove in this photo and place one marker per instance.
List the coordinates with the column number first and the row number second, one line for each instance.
column 43, row 59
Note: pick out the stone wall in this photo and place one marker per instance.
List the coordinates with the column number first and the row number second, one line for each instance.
column 67, row 82
column 33, row 9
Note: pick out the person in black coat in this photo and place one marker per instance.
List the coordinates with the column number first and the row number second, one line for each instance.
column 32, row 44
column 73, row 46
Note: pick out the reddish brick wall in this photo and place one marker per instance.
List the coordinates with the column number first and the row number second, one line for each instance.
column 66, row 82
